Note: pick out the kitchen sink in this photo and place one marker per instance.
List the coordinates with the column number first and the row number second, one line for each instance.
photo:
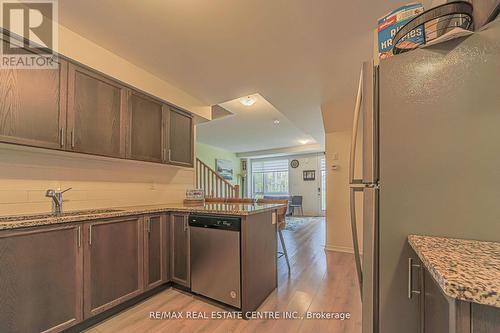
column 49, row 215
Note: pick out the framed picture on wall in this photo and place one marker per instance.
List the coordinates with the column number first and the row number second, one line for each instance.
column 224, row 169
column 309, row 175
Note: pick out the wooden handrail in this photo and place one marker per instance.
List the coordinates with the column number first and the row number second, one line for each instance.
column 214, row 185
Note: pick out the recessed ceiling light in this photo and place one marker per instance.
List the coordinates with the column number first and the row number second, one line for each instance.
column 276, row 121
column 247, row 100
column 303, row 142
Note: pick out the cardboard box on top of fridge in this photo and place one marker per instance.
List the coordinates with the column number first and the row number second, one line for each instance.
column 389, row 24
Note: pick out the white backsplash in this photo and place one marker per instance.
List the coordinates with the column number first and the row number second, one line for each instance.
column 97, row 182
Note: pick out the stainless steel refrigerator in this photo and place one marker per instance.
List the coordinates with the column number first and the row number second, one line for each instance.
column 430, row 123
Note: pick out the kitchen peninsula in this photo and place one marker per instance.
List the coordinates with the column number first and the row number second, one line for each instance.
column 80, row 267
column 459, row 284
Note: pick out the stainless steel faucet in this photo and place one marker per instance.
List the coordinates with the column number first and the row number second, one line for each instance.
column 57, row 200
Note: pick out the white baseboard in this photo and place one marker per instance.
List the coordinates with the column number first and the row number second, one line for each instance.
column 344, row 249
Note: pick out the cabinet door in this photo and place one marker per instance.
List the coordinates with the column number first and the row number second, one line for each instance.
column 442, row 313
column 179, row 250
column 166, row 248
column 33, row 106
column 41, row 279
column 112, row 263
column 154, row 251
column 436, row 307
column 96, row 113
column 146, row 129
column 415, row 292
column 485, row 318
column 180, row 139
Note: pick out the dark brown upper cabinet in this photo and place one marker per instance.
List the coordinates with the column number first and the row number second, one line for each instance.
column 96, row 113
column 146, row 129
column 33, row 106
column 180, row 138
column 78, row 109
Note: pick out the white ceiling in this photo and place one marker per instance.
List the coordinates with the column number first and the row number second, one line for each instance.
column 298, row 54
column 251, row 128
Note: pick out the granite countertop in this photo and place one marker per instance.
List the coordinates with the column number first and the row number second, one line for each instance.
column 25, row 221
column 467, row 270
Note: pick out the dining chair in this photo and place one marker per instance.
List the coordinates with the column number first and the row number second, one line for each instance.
column 296, row 202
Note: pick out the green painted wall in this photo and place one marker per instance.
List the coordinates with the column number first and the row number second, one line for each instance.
column 208, row 154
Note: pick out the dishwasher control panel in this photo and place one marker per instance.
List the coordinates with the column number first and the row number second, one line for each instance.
column 215, row 222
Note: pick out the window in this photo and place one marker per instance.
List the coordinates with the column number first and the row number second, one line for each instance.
column 270, row 177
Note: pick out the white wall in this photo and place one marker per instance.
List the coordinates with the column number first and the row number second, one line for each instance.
column 338, row 224
column 307, row 189
column 88, row 53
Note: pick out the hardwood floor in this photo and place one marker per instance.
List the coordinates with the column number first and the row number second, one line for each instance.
column 321, row 281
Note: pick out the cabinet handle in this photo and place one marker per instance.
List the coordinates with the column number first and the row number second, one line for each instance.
column 72, row 139
column 61, row 137
column 90, row 234
column 79, row 235
column 185, row 223
column 170, row 155
column 411, row 265
column 149, row 226
column 164, row 154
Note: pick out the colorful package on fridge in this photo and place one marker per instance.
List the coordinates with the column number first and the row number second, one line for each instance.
column 389, row 24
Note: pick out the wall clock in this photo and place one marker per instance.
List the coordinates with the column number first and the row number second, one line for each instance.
column 294, row 164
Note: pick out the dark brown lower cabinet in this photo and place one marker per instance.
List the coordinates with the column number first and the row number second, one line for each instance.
column 259, row 274
column 179, row 250
column 113, row 263
column 155, row 250
column 442, row 314
column 41, row 274
column 485, row 319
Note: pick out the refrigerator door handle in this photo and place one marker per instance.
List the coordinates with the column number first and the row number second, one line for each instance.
column 355, row 126
column 354, row 229
column 369, row 119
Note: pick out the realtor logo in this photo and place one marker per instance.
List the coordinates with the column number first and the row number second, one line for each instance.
column 29, row 34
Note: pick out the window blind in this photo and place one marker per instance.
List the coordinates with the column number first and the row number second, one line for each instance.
column 322, row 164
column 269, row 166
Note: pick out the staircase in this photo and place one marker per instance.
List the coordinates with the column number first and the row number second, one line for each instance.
column 214, row 185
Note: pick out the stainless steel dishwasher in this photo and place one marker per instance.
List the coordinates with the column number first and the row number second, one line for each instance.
column 215, row 258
